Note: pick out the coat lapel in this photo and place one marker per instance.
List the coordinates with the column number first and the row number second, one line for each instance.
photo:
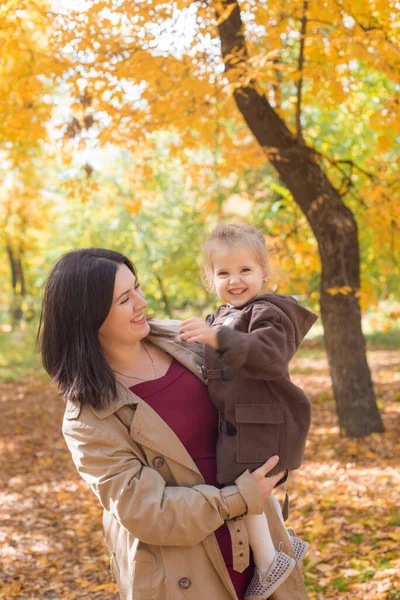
column 151, row 431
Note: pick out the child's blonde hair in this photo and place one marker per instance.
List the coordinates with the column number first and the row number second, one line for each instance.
column 231, row 235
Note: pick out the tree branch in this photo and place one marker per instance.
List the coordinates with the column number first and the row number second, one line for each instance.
column 300, row 69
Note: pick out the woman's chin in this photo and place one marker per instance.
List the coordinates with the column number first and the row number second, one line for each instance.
column 138, row 331
column 145, row 329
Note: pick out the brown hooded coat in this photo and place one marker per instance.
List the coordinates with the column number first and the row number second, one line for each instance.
column 262, row 412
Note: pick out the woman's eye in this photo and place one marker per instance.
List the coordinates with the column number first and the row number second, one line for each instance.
column 125, row 301
column 137, row 286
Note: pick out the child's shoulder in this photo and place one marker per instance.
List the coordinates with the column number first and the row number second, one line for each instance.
column 288, row 308
column 275, row 299
column 265, row 307
column 262, row 306
column 268, row 302
column 273, row 303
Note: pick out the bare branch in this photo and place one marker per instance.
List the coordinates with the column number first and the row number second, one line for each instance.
column 300, row 69
column 277, row 85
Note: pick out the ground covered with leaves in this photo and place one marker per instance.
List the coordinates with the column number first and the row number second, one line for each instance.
column 344, row 501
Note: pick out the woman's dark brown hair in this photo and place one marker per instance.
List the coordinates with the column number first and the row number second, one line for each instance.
column 77, row 299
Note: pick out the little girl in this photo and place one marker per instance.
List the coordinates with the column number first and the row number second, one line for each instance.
column 249, row 342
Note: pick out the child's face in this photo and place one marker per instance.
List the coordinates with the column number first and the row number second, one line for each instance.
column 238, row 276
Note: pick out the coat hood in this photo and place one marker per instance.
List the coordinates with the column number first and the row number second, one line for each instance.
column 301, row 318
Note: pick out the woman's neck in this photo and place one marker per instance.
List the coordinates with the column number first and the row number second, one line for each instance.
column 124, row 358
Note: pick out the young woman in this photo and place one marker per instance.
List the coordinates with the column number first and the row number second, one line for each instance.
column 142, row 432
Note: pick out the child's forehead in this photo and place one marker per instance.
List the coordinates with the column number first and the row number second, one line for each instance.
column 225, row 252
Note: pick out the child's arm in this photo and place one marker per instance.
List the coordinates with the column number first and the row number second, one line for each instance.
column 263, row 352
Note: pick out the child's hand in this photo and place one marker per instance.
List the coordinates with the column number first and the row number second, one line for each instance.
column 197, row 330
column 266, row 484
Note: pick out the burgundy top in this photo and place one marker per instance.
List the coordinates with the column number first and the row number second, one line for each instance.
column 182, row 401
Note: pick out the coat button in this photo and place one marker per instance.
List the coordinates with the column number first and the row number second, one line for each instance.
column 227, row 373
column 204, row 371
column 158, row 462
column 210, row 319
column 230, row 429
column 185, row 583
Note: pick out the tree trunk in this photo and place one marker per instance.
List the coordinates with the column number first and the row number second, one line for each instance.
column 20, row 274
column 334, row 227
column 17, row 284
column 10, row 255
column 164, row 296
column 165, row 299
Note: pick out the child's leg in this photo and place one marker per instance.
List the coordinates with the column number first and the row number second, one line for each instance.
column 260, row 541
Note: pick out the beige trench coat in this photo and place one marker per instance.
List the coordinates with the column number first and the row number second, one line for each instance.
column 159, row 515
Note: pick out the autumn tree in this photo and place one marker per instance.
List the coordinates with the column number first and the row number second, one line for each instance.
column 299, row 166
column 197, row 66
column 26, row 74
column 27, row 70
column 24, row 217
column 139, row 197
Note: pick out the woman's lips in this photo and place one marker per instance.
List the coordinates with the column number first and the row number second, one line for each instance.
column 139, row 320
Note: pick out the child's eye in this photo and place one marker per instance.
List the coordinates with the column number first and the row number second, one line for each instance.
column 246, row 269
column 222, row 273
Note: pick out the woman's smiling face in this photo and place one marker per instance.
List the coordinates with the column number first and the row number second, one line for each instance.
column 125, row 323
column 238, row 276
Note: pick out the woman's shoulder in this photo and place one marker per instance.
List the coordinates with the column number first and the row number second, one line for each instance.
column 82, row 415
column 164, row 327
column 165, row 335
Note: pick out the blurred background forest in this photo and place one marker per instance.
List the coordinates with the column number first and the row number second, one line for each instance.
column 118, row 128
column 138, row 126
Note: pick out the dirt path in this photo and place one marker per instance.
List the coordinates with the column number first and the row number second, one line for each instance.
column 345, row 499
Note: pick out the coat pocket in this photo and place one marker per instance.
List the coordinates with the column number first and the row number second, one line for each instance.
column 143, row 585
column 260, row 428
column 138, row 582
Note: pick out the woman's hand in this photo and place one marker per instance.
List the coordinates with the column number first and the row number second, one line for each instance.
column 267, row 484
column 197, row 330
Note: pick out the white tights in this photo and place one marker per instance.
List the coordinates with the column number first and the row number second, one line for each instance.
column 260, row 541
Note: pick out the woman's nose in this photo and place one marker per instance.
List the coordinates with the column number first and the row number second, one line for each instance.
column 139, row 302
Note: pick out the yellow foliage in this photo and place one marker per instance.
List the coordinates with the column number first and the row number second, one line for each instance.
column 384, row 142
column 143, row 67
column 24, row 64
column 343, row 290
column 132, row 205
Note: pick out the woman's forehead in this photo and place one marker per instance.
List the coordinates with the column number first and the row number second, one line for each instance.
column 124, row 279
